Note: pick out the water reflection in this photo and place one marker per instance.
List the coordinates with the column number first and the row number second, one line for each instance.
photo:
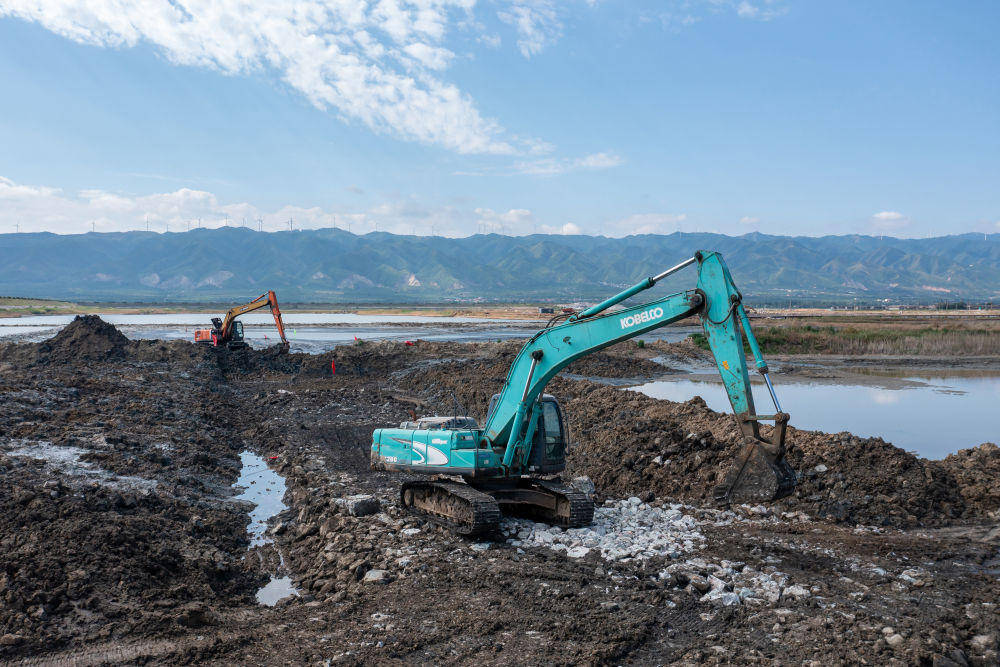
column 934, row 419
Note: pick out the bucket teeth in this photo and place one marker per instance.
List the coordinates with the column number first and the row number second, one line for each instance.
column 755, row 477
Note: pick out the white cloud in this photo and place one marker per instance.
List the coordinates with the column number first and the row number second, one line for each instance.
column 749, row 220
column 762, row 11
column 889, row 216
column 39, row 208
column 432, row 57
column 515, row 221
column 600, row 161
column 489, row 41
column 536, row 22
column 556, row 166
column 685, row 13
column 885, row 221
column 646, row 223
column 11, row 190
column 35, row 209
column 376, row 62
column 565, row 229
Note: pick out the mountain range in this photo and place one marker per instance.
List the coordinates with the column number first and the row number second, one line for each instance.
column 335, row 266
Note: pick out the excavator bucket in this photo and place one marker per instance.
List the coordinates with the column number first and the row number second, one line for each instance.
column 760, row 472
column 756, row 477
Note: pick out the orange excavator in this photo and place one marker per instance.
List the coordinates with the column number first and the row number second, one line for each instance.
column 228, row 332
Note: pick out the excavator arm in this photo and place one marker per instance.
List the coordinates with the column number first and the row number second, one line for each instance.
column 267, row 299
column 760, row 471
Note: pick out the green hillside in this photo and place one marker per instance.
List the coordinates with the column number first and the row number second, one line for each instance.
column 332, row 265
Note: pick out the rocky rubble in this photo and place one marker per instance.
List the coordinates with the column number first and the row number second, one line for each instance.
column 623, row 530
column 630, row 531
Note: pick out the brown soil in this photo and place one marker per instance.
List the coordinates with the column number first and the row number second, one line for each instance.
column 136, row 552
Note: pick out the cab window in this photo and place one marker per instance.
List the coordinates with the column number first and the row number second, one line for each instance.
column 553, row 430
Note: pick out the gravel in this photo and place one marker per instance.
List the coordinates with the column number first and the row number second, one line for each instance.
column 622, row 530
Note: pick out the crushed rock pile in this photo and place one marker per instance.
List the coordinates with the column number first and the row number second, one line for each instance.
column 622, row 530
column 730, row 583
column 631, row 531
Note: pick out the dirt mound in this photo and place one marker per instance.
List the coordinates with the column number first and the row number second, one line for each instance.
column 631, row 444
column 977, row 472
column 86, row 337
column 867, row 480
column 176, row 352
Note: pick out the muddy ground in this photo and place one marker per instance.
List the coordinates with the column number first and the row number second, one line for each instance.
column 122, row 541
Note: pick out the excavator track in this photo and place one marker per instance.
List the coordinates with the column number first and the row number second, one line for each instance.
column 580, row 507
column 454, row 505
column 546, row 501
column 580, row 510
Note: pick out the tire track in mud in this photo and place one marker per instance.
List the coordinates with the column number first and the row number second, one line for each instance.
column 206, row 643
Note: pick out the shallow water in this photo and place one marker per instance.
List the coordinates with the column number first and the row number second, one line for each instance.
column 307, row 332
column 933, row 416
column 259, row 317
column 265, row 489
column 68, row 461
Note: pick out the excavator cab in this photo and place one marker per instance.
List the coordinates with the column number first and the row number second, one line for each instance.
column 236, row 341
column 551, row 441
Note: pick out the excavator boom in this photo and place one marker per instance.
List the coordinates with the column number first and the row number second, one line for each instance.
column 719, row 304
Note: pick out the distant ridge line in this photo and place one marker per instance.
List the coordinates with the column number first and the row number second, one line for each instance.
column 336, row 266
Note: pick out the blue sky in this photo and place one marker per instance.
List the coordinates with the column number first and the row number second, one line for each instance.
column 455, row 116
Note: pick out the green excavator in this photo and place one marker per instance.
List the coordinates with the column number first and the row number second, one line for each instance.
column 474, row 473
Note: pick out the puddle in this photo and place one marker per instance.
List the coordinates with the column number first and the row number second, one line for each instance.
column 265, row 489
column 67, row 461
column 933, row 420
column 276, row 590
